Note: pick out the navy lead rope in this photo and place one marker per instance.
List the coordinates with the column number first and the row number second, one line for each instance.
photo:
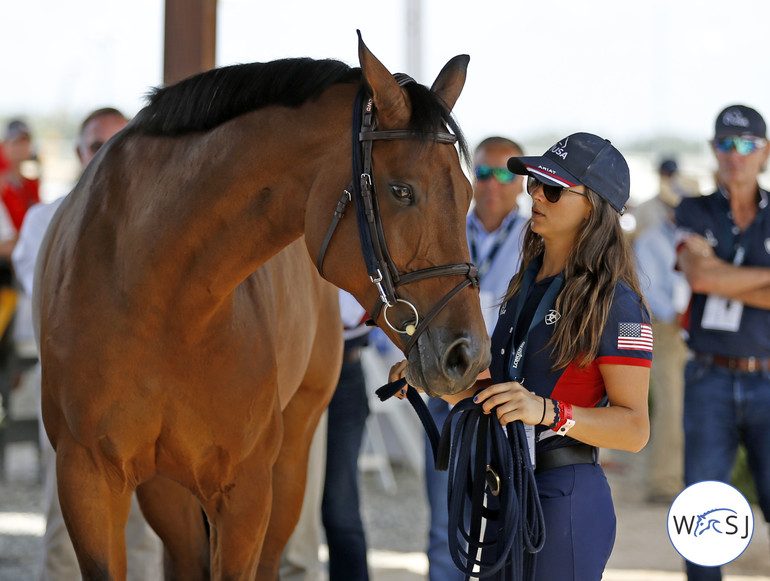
column 490, row 535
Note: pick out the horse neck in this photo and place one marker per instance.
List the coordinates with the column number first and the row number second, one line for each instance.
column 249, row 184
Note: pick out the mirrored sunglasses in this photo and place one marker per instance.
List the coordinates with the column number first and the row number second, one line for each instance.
column 501, row 174
column 551, row 193
column 743, row 145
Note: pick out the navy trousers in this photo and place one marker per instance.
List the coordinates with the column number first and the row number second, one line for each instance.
column 579, row 523
column 340, row 510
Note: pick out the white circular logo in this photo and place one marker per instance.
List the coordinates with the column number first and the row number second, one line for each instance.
column 710, row 523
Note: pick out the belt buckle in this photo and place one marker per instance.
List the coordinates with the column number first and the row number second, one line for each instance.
column 752, row 364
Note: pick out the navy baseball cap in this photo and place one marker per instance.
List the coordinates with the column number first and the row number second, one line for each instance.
column 581, row 159
column 739, row 120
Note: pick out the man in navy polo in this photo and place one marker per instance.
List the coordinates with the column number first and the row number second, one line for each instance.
column 724, row 252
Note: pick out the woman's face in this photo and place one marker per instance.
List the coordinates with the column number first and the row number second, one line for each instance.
column 559, row 221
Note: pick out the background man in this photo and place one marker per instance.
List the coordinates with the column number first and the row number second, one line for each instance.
column 144, row 548
column 725, row 255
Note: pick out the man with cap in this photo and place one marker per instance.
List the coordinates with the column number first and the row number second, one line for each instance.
column 572, row 348
column 724, row 252
column 19, row 192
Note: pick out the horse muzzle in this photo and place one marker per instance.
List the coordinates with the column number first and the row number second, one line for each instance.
column 443, row 365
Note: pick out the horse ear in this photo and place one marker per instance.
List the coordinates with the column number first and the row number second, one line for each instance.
column 451, row 79
column 393, row 108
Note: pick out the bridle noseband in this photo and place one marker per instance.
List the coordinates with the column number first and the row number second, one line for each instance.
column 382, row 271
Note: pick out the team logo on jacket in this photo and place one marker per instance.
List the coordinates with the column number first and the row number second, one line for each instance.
column 710, row 523
column 767, row 245
column 552, row 316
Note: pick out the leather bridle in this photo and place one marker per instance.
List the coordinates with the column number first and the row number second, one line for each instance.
column 382, row 271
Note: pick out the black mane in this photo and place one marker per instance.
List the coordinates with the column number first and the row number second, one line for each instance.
column 203, row 101
column 208, row 99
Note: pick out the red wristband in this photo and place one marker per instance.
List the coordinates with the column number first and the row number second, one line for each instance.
column 565, row 419
column 565, row 414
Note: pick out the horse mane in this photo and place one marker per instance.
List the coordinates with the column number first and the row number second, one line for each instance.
column 206, row 100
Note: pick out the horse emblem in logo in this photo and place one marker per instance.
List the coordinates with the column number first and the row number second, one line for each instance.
column 552, row 317
column 710, row 521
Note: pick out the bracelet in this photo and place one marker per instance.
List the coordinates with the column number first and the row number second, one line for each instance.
column 543, row 416
column 555, row 425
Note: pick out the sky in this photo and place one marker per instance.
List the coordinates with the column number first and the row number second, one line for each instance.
column 539, row 69
column 624, row 70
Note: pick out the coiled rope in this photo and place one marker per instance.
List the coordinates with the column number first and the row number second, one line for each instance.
column 496, row 522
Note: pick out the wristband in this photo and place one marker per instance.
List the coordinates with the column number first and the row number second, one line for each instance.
column 555, row 425
column 565, row 422
column 543, row 416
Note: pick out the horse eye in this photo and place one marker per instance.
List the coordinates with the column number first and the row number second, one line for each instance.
column 402, row 192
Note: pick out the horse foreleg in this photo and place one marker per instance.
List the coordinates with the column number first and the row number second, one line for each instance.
column 176, row 515
column 301, row 418
column 95, row 512
column 238, row 519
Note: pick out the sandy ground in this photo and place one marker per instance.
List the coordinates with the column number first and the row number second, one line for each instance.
column 396, row 525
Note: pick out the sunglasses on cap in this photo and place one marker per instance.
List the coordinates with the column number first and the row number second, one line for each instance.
column 551, row 193
column 743, row 145
column 501, row 174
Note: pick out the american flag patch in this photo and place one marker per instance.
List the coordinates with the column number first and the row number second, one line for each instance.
column 637, row 336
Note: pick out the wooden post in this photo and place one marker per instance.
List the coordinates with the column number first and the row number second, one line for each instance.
column 190, row 38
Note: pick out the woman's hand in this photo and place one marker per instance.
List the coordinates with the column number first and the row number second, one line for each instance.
column 397, row 372
column 512, row 401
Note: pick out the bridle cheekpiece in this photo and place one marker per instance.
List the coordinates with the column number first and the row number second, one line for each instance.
column 382, row 271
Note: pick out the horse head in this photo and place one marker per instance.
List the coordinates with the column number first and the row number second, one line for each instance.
column 706, row 521
column 412, row 227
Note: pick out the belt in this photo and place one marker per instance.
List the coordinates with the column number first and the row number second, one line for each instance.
column 558, row 457
column 742, row 364
column 351, row 355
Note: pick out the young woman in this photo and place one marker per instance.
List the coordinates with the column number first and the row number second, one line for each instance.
column 572, row 348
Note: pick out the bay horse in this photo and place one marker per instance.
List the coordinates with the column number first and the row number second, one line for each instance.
column 188, row 341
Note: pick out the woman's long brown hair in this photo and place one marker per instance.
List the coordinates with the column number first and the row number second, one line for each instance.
column 600, row 258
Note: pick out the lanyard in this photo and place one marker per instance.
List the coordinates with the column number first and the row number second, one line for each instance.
column 500, row 237
column 516, row 356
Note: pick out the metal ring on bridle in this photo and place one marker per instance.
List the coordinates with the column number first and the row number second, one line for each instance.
column 411, row 327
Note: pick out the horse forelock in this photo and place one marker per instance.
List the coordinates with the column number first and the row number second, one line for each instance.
column 429, row 115
column 206, row 100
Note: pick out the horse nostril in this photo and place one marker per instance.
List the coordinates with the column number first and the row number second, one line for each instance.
column 457, row 359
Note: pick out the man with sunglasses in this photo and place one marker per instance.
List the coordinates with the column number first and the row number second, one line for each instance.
column 494, row 224
column 494, row 229
column 725, row 254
